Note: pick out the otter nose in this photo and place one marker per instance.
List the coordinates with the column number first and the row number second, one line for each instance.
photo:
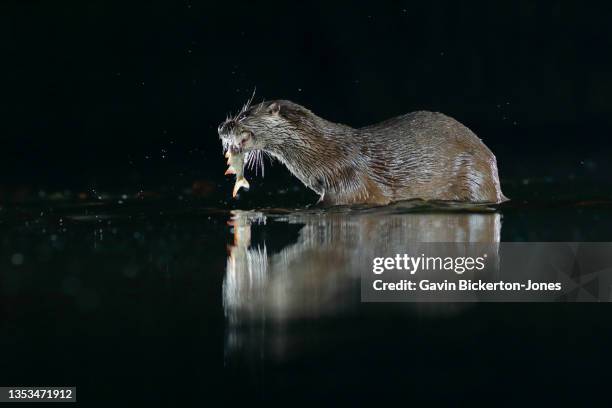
column 226, row 127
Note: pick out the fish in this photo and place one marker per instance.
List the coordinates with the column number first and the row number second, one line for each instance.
column 235, row 162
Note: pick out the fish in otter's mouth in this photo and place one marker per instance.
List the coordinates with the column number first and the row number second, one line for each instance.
column 239, row 146
column 235, row 162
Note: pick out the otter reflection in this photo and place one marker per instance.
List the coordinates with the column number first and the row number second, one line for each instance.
column 319, row 275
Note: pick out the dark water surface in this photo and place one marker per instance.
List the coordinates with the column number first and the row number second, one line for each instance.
column 176, row 301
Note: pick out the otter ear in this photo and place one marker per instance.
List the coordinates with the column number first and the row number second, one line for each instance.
column 274, row 108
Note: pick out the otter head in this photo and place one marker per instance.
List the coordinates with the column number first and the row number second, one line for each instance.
column 287, row 132
column 265, row 126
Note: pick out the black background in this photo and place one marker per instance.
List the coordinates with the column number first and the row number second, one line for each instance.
column 127, row 95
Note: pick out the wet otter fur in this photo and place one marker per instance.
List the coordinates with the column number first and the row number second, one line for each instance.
column 419, row 155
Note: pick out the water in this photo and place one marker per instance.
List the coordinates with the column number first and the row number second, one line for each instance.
column 177, row 300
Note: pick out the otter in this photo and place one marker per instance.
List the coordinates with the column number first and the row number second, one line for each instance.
column 420, row 155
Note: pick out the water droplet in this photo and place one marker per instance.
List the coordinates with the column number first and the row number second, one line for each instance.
column 17, row 259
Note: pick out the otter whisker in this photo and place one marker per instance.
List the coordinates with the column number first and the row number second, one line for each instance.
column 248, row 160
column 251, row 159
column 247, row 105
column 255, row 163
column 270, row 157
column 261, row 161
column 254, row 160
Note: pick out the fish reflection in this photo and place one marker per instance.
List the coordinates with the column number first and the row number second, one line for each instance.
column 319, row 274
